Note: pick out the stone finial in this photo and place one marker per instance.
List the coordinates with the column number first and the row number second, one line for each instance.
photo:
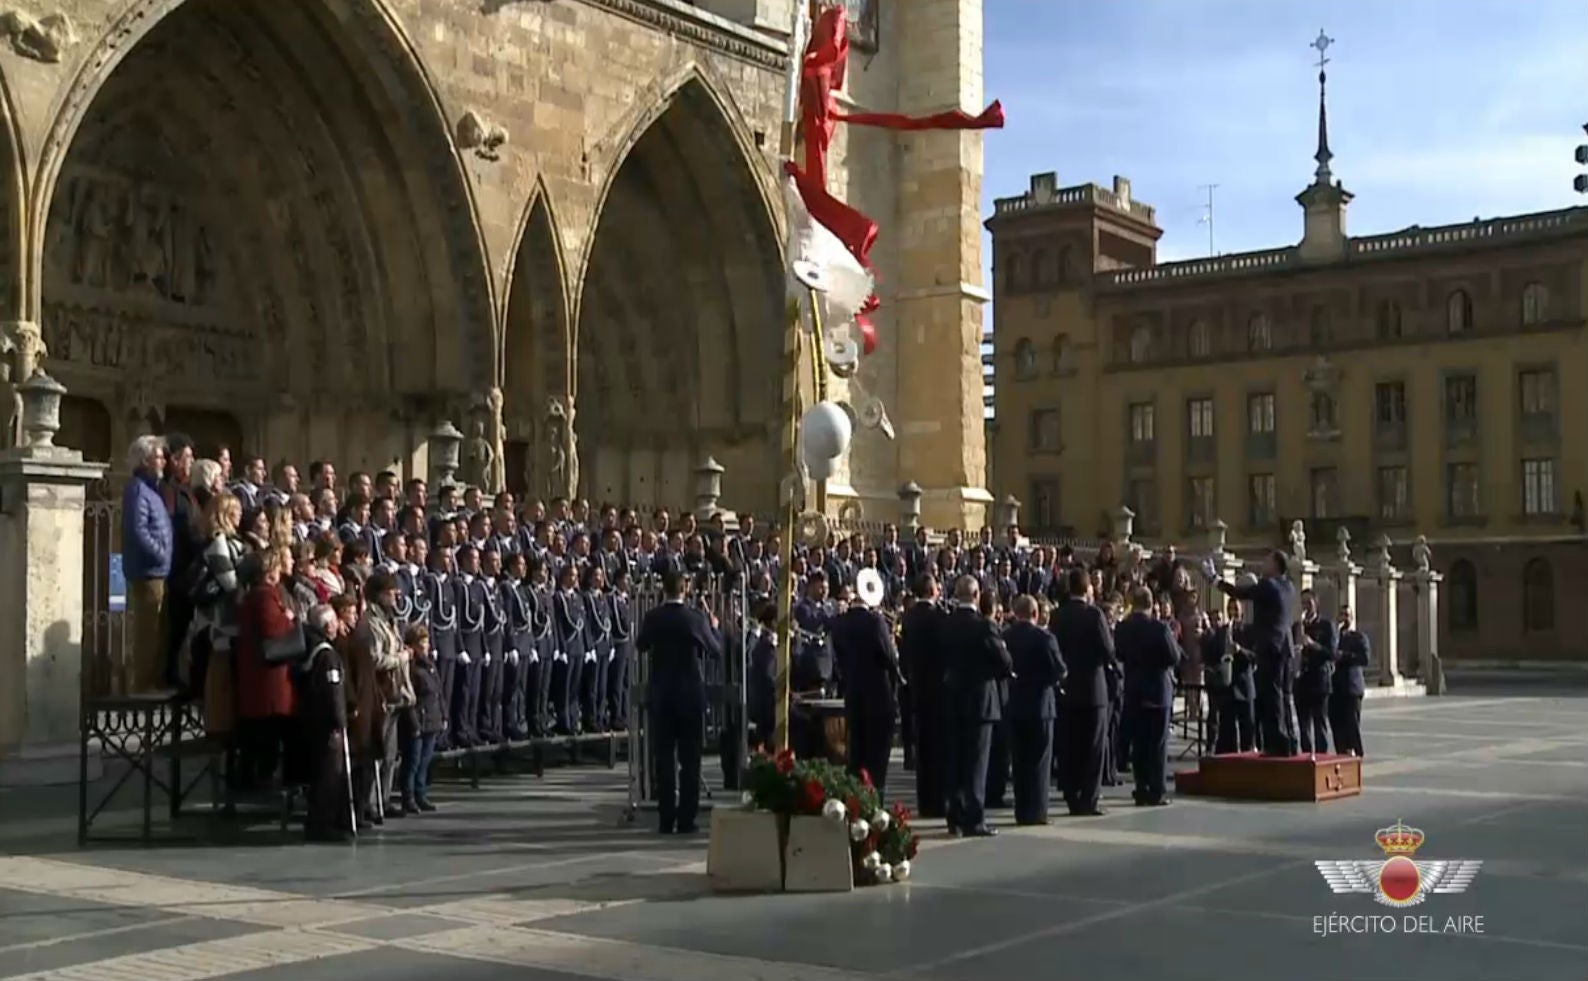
column 1342, row 544
column 446, row 444
column 910, row 505
column 1009, row 511
column 1122, row 520
column 1422, row 555
column 1218, row 536
column 1381, row 553
column 708, row 487
column 41, row 410
column 40, row 38
column 476, row 132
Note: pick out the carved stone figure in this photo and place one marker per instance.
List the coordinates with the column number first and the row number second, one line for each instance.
column 477, row 457
column 95, row 230
column 496, row 436
column 151, row 253
column 562, row 449
column 479, row 134
column 40, row 38
column 11, row 418
column 22, row 353
column 1342, row 545
column 1422, row 555
column 1298, row 540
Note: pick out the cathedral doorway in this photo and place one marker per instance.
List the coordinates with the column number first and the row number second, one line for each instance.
column 256, row 215
column 679, row 334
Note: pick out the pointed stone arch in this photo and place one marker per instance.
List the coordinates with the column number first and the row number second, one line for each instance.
column 13, row 206
column 678, row 312
column 536, row 342
column 404, row 286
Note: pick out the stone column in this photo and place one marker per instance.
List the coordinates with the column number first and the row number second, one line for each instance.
column 1384, row 607
column 937, row 294
column 1344, row 573
column 910, row 507
column 1430, row 669
column 708, row 488
column 41, row 591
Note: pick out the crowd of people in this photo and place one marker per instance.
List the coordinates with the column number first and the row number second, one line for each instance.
column 369, row 621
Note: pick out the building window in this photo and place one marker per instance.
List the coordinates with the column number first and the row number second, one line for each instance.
column 1537, row 395
column 1045, row 434
column 1461, row 490
column 1259, row 334
column 1538, row 596
column 1325, row 492
column 1200, row 342
column 1461, row 407
column 1260, row 490
column 1538, row 487
column 1042, row 513
column 1143, row 424
column 1463, row 586
column 1140, row 344
column 1458, row 312
column 1015, row 274
column 1260, row 413
column 1319, row 330
column 1064, row 264
column 1387, row 319
column 1394, row 498
column 1141, row 496
column 1063, row 355
column 1025, row 360
column 1200, row 503
column 1535, row 304
column 1389, row 412
column 1041, row 273
column 1199, row 418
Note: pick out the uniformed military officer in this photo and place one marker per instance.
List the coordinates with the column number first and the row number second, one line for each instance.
column 493, row 670
column 470, row 591
column 1320, row 648
column 863, row 645
column 1345, row 698
column 520, row 628
column 568, row 627
column 598, row 649
column 441, row 599
column 1227, row 652
column 677, row 638
column 324, row 721
column 976, row 661
column 1087, row 644
column 1038, row 672
column 1149, row 654
column 1273, row 611
column 813, row 616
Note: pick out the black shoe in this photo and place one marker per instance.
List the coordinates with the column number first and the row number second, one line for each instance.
column 425, row 805
column 327, row 837
column 953, row 832
column 397, row 811
column 1033, row 823
column 665, row 829
column 982, row 831
column 688, row 829
column 1087, row 812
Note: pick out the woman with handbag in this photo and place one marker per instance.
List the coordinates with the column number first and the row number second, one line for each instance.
column 270, row 639
column 215, row 613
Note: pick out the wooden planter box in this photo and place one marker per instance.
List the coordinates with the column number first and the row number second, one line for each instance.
column 817, row 857
column 746, row 853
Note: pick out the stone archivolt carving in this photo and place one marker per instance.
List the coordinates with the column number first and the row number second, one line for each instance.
column 40, row 38
column 115, row 343
column 484, row 137
column 131, row 237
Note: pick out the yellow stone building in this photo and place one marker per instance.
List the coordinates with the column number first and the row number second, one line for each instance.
column 1428, row 381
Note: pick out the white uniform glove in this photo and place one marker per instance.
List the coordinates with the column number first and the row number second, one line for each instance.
column 534, row 657
column 464, row 659
column 561, row 656
column 485, row 659
column 589, row 657
column 512, row 657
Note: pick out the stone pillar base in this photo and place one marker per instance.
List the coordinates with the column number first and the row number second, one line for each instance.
column 47, row 765
column 955, row 507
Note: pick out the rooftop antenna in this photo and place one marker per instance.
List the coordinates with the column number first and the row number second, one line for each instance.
column 1207, row 215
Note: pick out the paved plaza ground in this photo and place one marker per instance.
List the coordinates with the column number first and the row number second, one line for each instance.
column 536, row 880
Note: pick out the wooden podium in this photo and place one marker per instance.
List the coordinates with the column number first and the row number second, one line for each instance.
column 1250, row 776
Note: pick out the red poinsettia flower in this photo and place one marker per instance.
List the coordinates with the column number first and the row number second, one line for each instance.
column 901, row 813
column 785, row 762
column 812, row 796
column 915, row 845
column 865, row 778
column 852, row 805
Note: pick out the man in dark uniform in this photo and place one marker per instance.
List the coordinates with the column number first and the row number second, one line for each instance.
column 324, row 720
column 1087, row 644
column 439, row 588
column 1038, row 672
column 677, row 638
column 813, row 615
column 921, row 657
column 1149, row 654
column 976, row 660
column 1235, row 719
column 1345, row 698
column 1320, row 648
column 863, row 648
column 1273, row 601
column 470, row 590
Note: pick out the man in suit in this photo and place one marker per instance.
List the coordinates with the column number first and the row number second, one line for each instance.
column 1087, row 644
column 1033, row 693
column 921, row 657
column 1273, row 601
column 1228, row 643
column 1320, row 648
column 1345, row 696
column 1148, row 651
column 677, row 638
column 869, row 665
column 976, row 660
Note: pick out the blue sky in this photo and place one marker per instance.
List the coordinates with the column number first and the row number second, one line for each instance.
column 1439, row 110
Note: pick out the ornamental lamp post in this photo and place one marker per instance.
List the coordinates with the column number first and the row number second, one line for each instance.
column 1580, row 182
column 41, row 410
column 446, row 444
column 910, row 500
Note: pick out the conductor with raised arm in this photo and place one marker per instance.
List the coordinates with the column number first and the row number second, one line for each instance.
column 1087, row 645
column 1273, row 600
column 677, row 638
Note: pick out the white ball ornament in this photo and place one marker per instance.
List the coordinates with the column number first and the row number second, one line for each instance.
column 748, row 800
column 859, row 830
column 902, row 870
column 825, row 431
column 871, row 861
column 881, row 821
column 884, row 872
column 833, row 810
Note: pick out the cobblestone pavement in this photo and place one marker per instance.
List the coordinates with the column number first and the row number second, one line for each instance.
column 539, row 879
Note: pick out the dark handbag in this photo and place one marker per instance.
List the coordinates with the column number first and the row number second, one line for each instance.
column 290, row 646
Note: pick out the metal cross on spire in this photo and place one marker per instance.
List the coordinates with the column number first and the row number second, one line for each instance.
column 1323, row 156
column 1322, row 46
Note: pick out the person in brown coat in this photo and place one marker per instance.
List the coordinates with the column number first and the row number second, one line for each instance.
column 374, row 650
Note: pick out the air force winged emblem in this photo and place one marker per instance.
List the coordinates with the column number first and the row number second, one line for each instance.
column 1399, row 881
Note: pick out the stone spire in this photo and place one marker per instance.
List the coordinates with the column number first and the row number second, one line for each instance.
column 1324, row 201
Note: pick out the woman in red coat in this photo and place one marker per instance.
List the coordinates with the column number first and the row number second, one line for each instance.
column 265, row 697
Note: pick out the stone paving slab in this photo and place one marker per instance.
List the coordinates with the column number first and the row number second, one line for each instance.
column 78, row 941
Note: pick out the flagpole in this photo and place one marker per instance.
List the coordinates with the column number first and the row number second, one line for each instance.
column 791, row 403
